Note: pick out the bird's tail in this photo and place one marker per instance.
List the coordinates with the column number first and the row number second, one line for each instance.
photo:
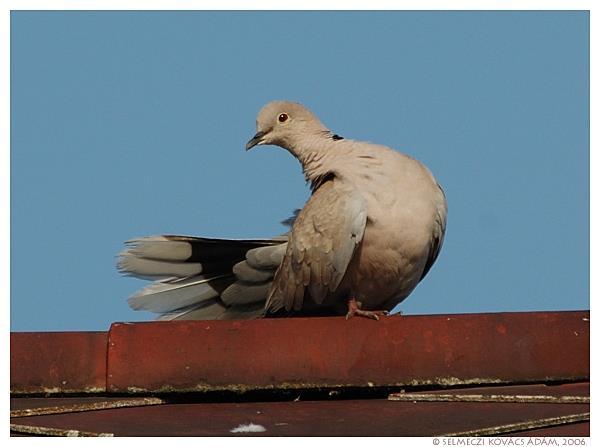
column 200, row 278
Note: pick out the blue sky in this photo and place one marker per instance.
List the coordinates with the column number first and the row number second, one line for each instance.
column 126, row 124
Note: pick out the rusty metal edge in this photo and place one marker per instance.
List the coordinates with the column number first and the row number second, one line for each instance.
column 493, row 398
column 51, row 431
column 94, row 406
column 441, row 383
column 96, row 387
column 55, row 391
column 522, row 426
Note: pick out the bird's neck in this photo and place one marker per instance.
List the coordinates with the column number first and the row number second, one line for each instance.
column 316, row 155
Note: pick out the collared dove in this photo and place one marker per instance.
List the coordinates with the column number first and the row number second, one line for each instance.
column 370, row 231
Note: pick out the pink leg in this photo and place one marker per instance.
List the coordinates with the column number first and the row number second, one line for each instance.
column 354, row 308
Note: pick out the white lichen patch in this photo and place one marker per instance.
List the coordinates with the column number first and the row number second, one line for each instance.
column 248, row 428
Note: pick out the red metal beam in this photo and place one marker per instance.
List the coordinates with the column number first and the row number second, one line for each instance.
column 313, row 352
column 57, row 362
column 332, row 352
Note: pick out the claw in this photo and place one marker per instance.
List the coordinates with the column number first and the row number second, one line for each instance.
column 354, row 308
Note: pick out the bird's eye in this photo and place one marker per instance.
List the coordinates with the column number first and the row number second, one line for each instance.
column 283, row 118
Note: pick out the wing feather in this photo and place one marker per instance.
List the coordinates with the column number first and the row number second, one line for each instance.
column 322, row 242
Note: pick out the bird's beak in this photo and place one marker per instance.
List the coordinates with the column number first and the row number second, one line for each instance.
column 256, row 139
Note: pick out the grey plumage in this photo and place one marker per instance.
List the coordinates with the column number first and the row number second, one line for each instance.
column 200, row 278
column 168, row 296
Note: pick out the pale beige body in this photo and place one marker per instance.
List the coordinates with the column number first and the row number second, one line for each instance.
column 401, row 219
column 406, row 212
column 370, row 231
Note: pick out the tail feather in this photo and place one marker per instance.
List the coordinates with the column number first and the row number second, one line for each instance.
column 209, row 249
column 245, row 293
column 244, row 312
column 160, row 248
column 202, row 278
column 244, row 272
column 269, row 257
column 169, row 296
column 132, row 265
column 215, row 310
column 210, row 310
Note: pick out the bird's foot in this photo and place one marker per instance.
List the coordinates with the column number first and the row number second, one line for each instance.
column 354, row 308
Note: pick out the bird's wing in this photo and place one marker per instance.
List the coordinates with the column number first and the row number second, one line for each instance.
column 323, row 239
column 437, row 235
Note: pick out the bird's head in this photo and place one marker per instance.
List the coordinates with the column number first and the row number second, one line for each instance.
column 282, row 123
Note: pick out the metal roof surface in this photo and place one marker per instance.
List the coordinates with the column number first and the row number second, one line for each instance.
column 309, row 376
